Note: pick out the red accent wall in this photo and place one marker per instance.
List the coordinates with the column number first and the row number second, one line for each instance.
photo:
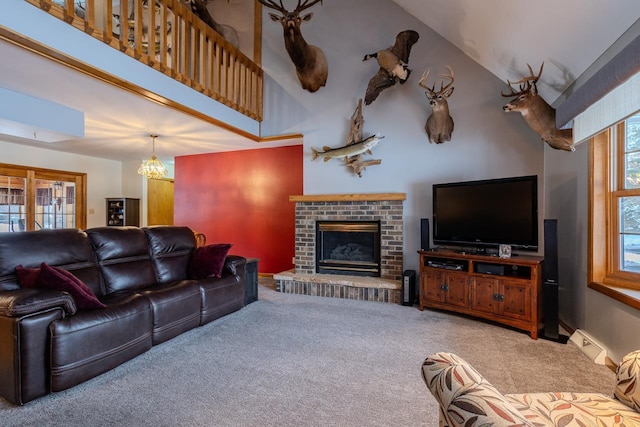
column 242, row 197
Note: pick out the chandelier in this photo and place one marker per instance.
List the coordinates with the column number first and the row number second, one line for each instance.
column 152, row 168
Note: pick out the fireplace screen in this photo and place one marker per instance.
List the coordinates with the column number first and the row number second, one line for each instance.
column 348, row 247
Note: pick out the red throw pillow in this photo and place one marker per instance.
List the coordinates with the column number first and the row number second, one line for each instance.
column 28, row 277
column 208, row 260
column 60, row 279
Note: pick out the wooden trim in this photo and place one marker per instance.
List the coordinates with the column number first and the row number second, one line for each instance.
column 32, row 174
column 284, row 137
column 630, row 297
column 348, row 197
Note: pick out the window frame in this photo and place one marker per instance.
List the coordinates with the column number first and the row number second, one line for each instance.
column 606, row 187
column 32, row 174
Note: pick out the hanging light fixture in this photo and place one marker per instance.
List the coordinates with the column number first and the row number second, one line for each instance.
column 152, row 168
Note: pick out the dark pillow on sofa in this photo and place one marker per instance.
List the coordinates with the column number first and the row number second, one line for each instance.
column 60, row 279
column 208, row 260
column 28, row 277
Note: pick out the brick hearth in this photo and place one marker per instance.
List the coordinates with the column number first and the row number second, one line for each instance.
column 386, row 208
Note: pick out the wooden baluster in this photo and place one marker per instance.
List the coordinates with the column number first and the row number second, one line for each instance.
column 152, row 34
column 90, row 17
column 124, row 25
column 139, row 26
column 107, row 36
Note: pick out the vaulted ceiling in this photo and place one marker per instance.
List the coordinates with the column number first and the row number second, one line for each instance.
column 501, row 35
column 505, row 35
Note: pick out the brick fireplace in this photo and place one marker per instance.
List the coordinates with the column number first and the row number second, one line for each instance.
column 386, row 208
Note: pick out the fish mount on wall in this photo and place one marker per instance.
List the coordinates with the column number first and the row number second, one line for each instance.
column 539, row 115
column 355, row 148
column 393, row 65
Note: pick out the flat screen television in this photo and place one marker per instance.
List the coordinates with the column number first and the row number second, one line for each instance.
column 484, row 214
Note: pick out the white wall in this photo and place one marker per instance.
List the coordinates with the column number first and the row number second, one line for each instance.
column 104, row 177
column 486, row 143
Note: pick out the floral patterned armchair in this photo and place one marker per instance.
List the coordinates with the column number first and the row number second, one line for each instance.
column 467, row 399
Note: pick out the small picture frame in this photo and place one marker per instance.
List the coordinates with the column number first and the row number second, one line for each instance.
column 504, row 251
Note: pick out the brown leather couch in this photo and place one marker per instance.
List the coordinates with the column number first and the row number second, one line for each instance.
column 140, row 274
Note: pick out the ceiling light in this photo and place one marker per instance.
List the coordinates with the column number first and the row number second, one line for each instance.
column 152, row 168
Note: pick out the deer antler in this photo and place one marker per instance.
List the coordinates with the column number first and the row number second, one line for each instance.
column 273, row 5
column 280, row 7
column 443, row 88
column 306, row 5
column 423, row 79
column 526, row 82
column 447, row 76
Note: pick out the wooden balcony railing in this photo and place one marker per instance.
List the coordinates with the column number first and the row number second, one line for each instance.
column 182, row 46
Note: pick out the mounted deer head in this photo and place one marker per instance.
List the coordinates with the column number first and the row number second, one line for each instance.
column 439, row 125
column 201, row 9
column 310, row 62
column 539, row 115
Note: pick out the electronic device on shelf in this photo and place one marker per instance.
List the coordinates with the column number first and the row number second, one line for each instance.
column 448, row 265
column 487, row 213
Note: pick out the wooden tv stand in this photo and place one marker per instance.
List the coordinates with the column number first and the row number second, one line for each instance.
column 504, row 290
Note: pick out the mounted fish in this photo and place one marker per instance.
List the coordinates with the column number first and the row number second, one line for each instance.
column 393, row 65
column 355, row 147
column 310, row 62
column 348, row 150
column 439, row 125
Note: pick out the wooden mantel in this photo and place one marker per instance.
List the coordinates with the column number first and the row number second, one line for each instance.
column 365, row 197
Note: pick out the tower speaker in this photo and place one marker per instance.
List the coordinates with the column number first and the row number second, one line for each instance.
column 424, row 234
column 550, row 266
column 408, row 287
column 550, row 279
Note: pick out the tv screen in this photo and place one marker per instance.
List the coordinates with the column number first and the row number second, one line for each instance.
column 487, row 213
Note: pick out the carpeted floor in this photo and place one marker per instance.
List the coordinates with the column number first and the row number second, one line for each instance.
column 295, row 360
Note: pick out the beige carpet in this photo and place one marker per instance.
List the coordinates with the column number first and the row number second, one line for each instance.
column 297, row 360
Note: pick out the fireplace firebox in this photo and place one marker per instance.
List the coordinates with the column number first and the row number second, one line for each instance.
column 348, row 247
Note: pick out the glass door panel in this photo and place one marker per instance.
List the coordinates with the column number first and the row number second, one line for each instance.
column 13, row 210
column 55, row 204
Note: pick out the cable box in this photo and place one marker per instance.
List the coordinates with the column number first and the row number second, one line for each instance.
column 445, row 265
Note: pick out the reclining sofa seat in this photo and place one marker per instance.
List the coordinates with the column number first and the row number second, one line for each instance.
column 141, row 275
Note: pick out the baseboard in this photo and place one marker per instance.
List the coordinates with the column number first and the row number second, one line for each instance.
column 589, row 346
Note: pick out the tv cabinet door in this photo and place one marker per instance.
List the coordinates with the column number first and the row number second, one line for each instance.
column 432, row 286
column 486, row 292
column 457, row 293
column 517, row 300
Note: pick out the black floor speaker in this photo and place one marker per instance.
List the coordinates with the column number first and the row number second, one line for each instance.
column 424, row 234
column 408, row 287
column 551, row 330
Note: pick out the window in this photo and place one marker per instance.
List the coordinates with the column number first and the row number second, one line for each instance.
column 33, row 199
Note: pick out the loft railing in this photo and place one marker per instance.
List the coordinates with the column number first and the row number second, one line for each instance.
column 182, row 46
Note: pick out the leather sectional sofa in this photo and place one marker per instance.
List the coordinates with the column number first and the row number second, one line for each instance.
column 140, row 275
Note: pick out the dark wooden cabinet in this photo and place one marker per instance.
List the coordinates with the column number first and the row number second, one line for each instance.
column 506, row 291
column 123, row 211
column 251, row 281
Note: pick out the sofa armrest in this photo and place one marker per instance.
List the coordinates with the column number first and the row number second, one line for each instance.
column 465, row 396
column 233, row 263
column 22, row 302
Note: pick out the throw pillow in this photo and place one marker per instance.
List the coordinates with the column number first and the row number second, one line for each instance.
column 60, row 279
column 28, row 277
column 208, row 260
column 627, row 390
